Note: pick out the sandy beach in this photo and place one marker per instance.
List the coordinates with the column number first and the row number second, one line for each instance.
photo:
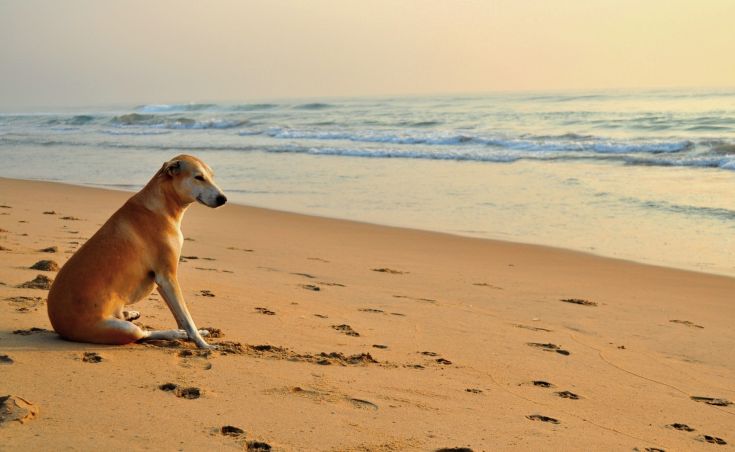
column 344, row 336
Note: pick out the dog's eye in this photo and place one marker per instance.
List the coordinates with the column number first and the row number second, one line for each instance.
column 200, row 177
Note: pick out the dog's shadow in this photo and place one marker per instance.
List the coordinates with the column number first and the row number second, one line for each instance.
column 43, row 340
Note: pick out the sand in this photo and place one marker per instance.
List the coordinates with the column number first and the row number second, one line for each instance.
column 347, row 336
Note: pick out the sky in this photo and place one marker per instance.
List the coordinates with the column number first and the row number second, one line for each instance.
column 95, row 52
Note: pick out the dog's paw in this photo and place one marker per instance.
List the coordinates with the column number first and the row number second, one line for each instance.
column 205, row 346
column 131, row 315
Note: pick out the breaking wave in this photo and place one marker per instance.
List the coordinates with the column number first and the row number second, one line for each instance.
column 180, row 122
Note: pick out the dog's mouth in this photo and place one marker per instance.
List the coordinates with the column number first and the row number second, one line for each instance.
column 210, row 204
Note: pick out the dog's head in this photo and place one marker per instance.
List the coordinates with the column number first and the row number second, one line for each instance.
column 193, row 180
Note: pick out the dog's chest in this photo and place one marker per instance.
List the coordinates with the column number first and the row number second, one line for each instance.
column 176, row 240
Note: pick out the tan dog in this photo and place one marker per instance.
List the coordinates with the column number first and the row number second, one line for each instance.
column 137, row 249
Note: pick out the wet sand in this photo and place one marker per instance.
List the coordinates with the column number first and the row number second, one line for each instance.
column 339, row 335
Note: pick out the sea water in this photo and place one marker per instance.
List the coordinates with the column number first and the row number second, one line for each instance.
column 646, row 175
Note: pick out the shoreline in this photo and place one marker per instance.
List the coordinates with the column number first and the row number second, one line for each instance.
column 396, row 339
column 406, row 228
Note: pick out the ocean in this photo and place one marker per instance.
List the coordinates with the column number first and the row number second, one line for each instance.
column 641, row 175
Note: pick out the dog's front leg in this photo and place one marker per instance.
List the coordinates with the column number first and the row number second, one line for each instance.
column 169, row 289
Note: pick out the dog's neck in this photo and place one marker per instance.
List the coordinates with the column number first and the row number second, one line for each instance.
column 161, row 199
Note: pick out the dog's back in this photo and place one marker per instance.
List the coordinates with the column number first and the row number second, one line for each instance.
column 100, row 271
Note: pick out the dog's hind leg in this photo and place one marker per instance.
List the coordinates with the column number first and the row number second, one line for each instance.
column 112, row 331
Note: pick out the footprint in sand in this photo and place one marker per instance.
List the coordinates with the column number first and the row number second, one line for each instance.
column 321, row 316
column 484, row 284
column 346, row 329
column 305, row 275
column 195, row 358
column 579, row 301
column 25, row 304
column 264, row 311
column 258, row 446
column 190, row 393
column 247, row 250
column 30, row 331
column 39, row 282
column 427, row 300
column 209, row 269
column 332, row 284
column 205, row 293
column 5, row 359
column 328, row 396
column 183, row 393
column 363, row 404
column 231, row 430
column 45, row 265
column 16, row 409
column 438, row 360
column 682, row 427
column 539, row 417
column 532, row 328
column 372, row 310
column 380, row 346
column 549, row 347
column 567, row 395
column 390, row 271
column 686, row 323
column 311, row 287
column 473, row 390
column 454, row 449
column 711, row 439
column 91, row 357
column 712, row 401
column 542, row 384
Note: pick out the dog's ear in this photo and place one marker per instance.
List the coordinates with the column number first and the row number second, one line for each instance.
column 172, row 168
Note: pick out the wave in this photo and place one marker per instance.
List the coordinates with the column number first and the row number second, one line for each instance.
column 135, row 132
column 130, row 119
column 707, row 158
column 138, row 119
column 420, row 123
column 253, row 107
column 530, row 143
column 313, row 106
column 702, row 161
column 686, row 209
column 723, row 148
column 172, row 108
column 207, row 124
column 77, row 120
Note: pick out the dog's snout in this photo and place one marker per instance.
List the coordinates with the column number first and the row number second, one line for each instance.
column 221, row 199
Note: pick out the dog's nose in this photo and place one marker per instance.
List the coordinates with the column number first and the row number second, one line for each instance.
column 221, row 199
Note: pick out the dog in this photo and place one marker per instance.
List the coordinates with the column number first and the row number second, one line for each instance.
column 137, row 249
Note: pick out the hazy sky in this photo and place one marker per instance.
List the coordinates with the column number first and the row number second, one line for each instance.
column 76, row 52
